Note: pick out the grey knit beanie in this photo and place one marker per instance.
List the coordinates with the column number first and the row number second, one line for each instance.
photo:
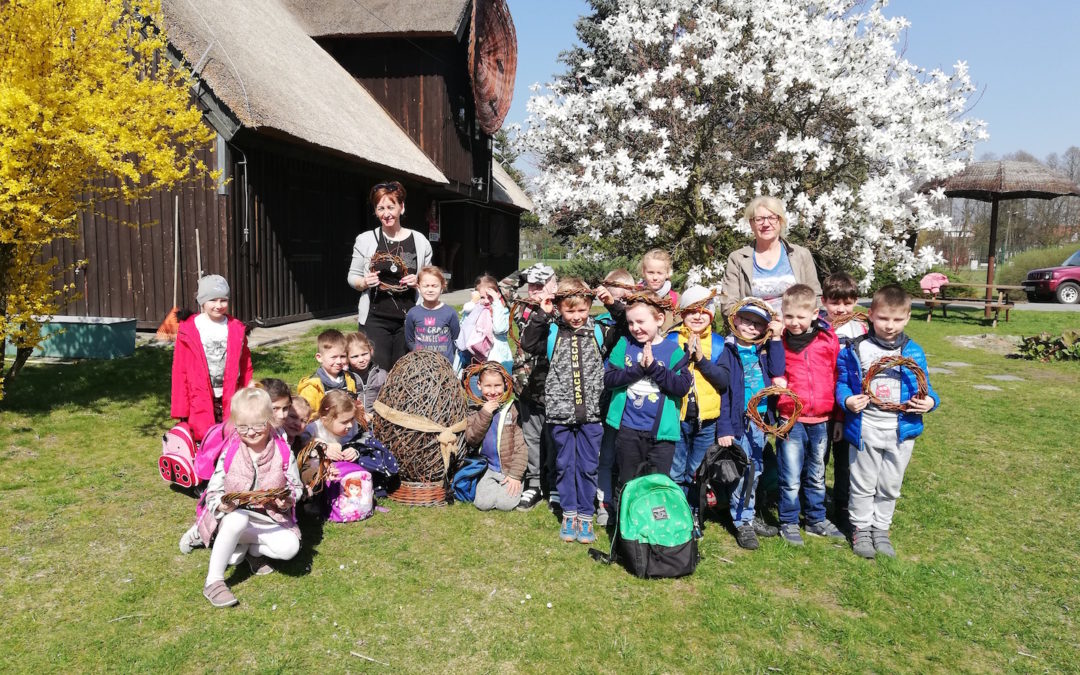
column 212, row 286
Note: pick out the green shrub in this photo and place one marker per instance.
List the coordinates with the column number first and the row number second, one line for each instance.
column 1016, row 270
column 1047, row 347
column 593, row 272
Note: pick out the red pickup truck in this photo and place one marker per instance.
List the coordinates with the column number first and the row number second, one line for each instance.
column 1062, row 282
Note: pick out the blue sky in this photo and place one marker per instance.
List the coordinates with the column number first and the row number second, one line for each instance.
column 1024, row 56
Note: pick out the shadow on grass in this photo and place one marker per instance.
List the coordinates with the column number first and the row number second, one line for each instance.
column 141, row 379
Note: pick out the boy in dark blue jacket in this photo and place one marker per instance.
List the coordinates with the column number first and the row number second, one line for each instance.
column 881, row 441
column 752, row 367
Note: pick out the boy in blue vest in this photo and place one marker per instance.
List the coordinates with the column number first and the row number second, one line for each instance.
column 648, row 376
column 881, row 441
column 573, row 344
column 753, row 367
column 701, row 407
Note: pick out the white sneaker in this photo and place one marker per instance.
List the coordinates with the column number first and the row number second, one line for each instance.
column 190, row 540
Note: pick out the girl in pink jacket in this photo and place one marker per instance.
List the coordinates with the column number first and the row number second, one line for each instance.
column 211, row 360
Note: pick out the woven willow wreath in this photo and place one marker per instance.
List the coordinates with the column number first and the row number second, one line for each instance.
column 848, row 317
column 886, row 363
column 701, row 305
column 476, row 370
column 779, row 430
column 739, row 306
column 259, row 498
column 585, row 293
column 317, row 449
column 648, row 298
column 395, row 261
column 618, row 284
column 515, row 333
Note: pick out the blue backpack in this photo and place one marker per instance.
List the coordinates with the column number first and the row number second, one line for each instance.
column 467, row 475
column 553, row 337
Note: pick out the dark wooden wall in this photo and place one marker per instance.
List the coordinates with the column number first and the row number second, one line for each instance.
column 423, row 84
column 487, row 241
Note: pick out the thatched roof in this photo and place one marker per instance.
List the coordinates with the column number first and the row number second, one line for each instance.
column 273, row 77
column 1005, row 180
column 505, row 191
column 371, row 18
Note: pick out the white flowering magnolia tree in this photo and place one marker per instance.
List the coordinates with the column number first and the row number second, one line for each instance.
column 675, row 113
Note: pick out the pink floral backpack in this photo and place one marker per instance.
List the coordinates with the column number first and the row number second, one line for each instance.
column 352, row 495
column 177, row 461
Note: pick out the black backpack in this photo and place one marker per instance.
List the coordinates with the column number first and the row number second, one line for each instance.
column 719, row 472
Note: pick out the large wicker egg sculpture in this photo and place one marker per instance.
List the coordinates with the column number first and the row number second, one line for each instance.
column 422, row 384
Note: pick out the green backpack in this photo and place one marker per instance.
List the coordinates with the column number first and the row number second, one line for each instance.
column 654, row 531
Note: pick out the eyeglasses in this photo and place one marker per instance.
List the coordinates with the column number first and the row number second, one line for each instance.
column 761, row 220
column 244, row 429
column 392, row 186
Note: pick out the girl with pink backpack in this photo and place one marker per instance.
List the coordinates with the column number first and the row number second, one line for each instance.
column 254, row 458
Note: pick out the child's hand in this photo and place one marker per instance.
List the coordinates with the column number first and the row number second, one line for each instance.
column 493, row 296
column 371, row 279
column 475, row 297
column 333, row 452
column 370, row 417
column 776, row 329
column 920, row 405
column 857, row 402
column 283, row 504
column 332, row 473
column 513, row 486
column 780, row 381
column 492, row 406
column 604, row 295
column 693, row 348
column 225, row 507
column 646, row 355
column 837, row 433
column 725, row 441
column 547, row 305
column 409, row 280
column 350, row 454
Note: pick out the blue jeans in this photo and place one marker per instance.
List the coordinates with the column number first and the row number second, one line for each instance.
column 741, row 501
column 804, row 446
column 694, row 440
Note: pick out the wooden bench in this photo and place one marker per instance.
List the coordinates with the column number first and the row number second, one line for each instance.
column 942, row 299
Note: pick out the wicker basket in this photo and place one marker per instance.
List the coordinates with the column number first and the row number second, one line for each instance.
column 420, row 494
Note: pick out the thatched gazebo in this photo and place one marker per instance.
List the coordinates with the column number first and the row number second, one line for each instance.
column 998, row 181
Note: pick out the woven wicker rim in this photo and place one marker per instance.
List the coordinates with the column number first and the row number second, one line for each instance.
column 383, row 256
column 778, row 430
column 739, row 306
column 848, row 317
column 478, row 369
column 648, row 298
column 522, row 303
column 256, row 497
column 700, row 305
column 420, row 494
column 318, row 449
column 885, row 363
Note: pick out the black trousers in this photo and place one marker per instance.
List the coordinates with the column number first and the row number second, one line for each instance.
column 632, row 447
column 388, row 336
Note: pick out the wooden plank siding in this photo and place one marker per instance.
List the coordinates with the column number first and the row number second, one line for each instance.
column 422, row 84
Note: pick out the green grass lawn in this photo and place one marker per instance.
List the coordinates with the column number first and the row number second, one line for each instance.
column 986, row 531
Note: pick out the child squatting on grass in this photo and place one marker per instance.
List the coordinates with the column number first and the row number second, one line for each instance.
column 881, row 442
column 254, row 459
column 495, row 429
column 332, row 356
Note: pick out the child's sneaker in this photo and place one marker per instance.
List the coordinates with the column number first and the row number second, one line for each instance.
column 530, row 497
column 745, row 537
column 861, row 543
column 602, row 515
column 259, row 565
column 763, row 529
column 219, row 594
column 586, row 533
column 790, row 533
column 881, row 542
column 569, row 531
column 824, row 528
column 190, row 540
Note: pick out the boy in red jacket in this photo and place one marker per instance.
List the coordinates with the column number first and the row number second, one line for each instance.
column 810, row 352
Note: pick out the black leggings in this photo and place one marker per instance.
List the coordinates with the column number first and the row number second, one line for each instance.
column 388, row 336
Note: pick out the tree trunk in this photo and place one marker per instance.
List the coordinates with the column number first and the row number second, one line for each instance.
column 7, row 253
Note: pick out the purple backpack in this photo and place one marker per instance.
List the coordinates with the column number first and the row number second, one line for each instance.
column 352, row 495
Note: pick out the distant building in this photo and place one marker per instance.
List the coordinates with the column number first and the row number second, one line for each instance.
column 313, row 103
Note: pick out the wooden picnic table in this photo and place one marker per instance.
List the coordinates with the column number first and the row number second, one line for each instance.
column 942, row 299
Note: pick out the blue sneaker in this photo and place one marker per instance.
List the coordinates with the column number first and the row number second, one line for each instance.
column 586, row 533
column 569, row 531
